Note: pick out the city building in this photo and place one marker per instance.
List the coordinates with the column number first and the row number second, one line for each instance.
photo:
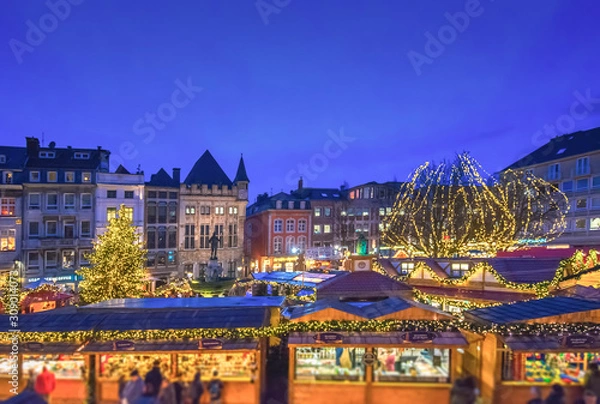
column 161, row 223
column 364, row 212
column 58, row 217
column 116, row 189
column 278, row 228
column 12, row 161
column 210, row 203
column 572, row 163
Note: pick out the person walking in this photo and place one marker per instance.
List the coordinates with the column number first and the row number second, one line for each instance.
column 153, row 379
column 536, row 395
column 179, row 387
column 592, row 380
column 215, row 388
column 167, row 393
column 556, row 396
column 45, row 384
column 196, row 388
column 30, row 381
column 133, row 389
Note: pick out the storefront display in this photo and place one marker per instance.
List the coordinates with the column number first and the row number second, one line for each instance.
column 115, row 366
column 63, row 366
column 563, row 368
column 328, row 363
column 412, row 365
column 229, row 364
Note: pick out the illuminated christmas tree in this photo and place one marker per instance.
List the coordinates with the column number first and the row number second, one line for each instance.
column 117, row 263
column 452, row 209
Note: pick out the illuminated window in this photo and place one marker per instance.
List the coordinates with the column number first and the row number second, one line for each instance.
column 7, row 240
column 68, row 259
column 86, row 177
column 407, row 267
column 327, row 228
column 233, row 210
column 83, row 257
column 52, row 176
column 552, row 367
column 429, row 365
column 595, row 223
column 457, row 270
column 111, row 213
column 190, row 210
column 128, row 212
column 332, row 364
column 317, row 212
column 69, row 176
column 219, row 210
column 7, row 206
column 317, row 229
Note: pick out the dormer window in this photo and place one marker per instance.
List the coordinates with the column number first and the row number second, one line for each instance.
column 81, row 156
column 2, row 159
column 278, row 205
column 47, row 154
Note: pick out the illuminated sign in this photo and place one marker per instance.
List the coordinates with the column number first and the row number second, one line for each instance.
column 419, row 337
column 211, row 343
column 329, row 338
column 123, row 345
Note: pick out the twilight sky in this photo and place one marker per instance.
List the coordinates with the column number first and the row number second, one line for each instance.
column 344, row 90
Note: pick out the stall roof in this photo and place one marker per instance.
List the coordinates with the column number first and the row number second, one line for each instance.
column 533, row 309
column 507, row 295
column 543, row 343
column 45, row 348
column 362, row 284
column 308, row 279
column 379, row 338
column 168, row 303
column 143, row 346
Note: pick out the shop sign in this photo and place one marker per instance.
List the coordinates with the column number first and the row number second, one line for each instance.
column 211, row 343
column 329, row 338
column 35, row 346
column 419, row 337
column 123, row 345
column 574, row 341
column 369, row 359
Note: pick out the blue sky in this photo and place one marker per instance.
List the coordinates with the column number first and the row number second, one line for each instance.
column 276, row 84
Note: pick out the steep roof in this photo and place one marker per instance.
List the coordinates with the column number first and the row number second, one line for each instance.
column 265, row 202
column 321, row 193
column 121, row 170
column 561, row 147
column 15, row 157
column 207, row 171
column 241, row 174
column 526, row 270
column 162, row 179
column 65, row 158
column 362, row 284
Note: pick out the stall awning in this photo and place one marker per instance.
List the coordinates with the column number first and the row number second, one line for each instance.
column 34, row 348
column 168, row 346
column 552, row 343
column 379, row 339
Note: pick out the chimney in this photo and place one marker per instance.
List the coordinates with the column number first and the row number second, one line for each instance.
column 300, row 184
column 177, row 175
column 33, row 146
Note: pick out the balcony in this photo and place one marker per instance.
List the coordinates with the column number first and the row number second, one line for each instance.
column 57, row 243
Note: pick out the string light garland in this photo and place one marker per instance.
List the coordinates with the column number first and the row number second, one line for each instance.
column 453, row 209
column 23, row 293
column 177, row 287
column 289, row 290
column 443, row 301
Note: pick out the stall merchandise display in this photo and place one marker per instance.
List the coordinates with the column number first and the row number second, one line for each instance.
column 229, row 364
column 330, row 364
column 63, row 366
column 412, row 365
column 563, row 368
column 115, row 366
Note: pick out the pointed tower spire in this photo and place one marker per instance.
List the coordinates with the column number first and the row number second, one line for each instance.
column 241, row 174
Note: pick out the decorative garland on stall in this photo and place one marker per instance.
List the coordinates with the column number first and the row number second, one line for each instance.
column 427, row 298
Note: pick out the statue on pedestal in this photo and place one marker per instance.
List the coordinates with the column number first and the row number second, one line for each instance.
column 213, row 270
column 361, row 245
column 214, row 245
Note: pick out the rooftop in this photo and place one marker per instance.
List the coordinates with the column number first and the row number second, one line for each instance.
column 362, row 284
column 165, row 303
column 207, row 171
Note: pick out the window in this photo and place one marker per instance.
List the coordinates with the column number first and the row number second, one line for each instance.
column 290, row 225
column 52, row 176
column 582, row 184
column 83, row 257
column 277, row 204
column 190, row 242
column 580, row 224
column 302, row 243
column 128, row 212
column 458, row 270
column 289, row 245
column 86, row 177
column 51, row 259
column 69, row 230
column 34, row 229
column 327, row 212
column 567, row 186
column 151, row 194
column 219, row 232
column 388, row 211
column 7, row 240
column 204, row 235
column 86, row 201
column 46, row 154
column 406, row 365
column 111, row 213
column 162, row 194
column 381, row 211
column 317, row 229
column 69, row 201
column 52, row 201
column 172, row 238
column 68, row 259
column 406, row 268
column 290, row 204
column 69, row 176
column 596, row 182
column 8, row 177
column 302, row 204
column 277, row 244
column 161, row 241
column 190, row 210
column 521, row 367
column 162, row 213
column 51, row 228
column 2, row 159
column 111, row 193
column 595, row 223
column 317, row 212
column 554, row 171
column 233, row 210
column 151, row 238
column 278, row 225
column 583, row 166
column 172, row 195
column 34, row 201
column 34, row 176
column 7, row 206
column 233, row 235
column 219, row 210
column 86, row 228
column 327, row 228
column 81, row 156
column 128, row 195
column 151, row 213
column 172, row 212
column 595, row 203
column 581, row 203
column 33, row 260
column 301, row 225
column 330, row 364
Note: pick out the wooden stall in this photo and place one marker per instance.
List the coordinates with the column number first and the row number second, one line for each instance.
column 374, row 366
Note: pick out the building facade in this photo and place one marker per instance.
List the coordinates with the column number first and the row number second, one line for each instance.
column 59, row 210
column 278, row 229
column 210, row 203
column 161, row 211
column 572, row 163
